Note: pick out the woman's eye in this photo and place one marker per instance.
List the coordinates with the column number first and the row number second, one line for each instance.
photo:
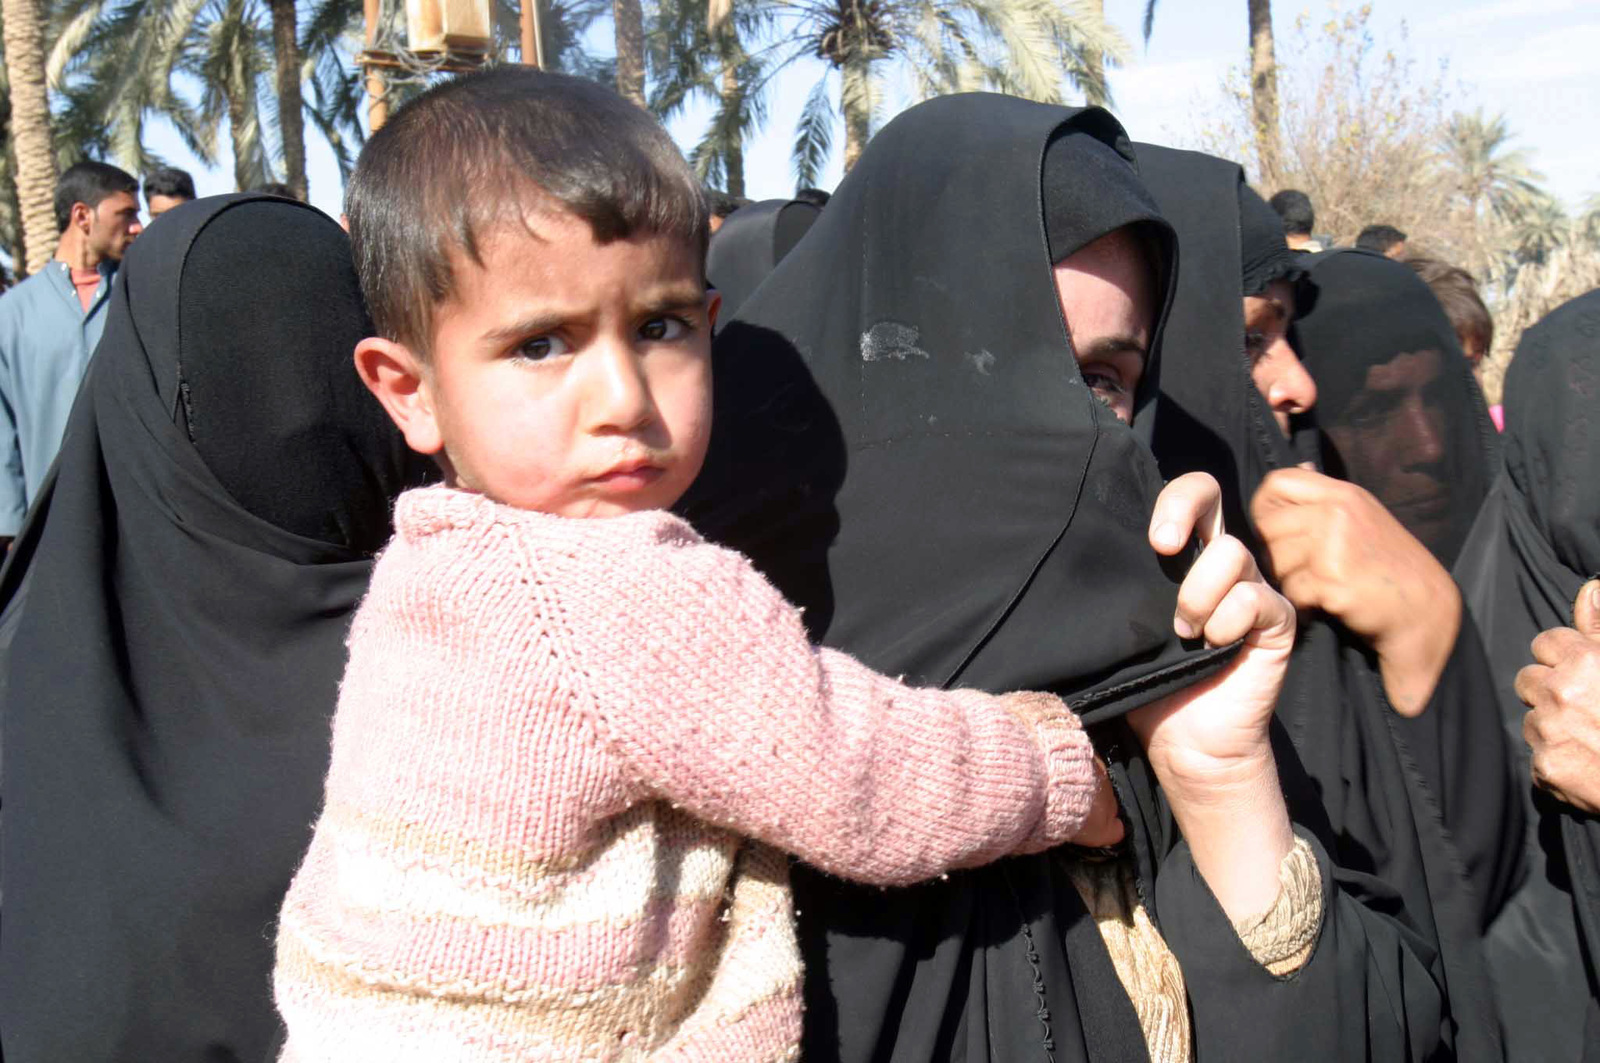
column 1255, row 345
column 539, row 348
column 1102, row 382
column 664, row 329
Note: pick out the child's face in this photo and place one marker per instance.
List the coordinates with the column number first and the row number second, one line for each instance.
column 572, row 377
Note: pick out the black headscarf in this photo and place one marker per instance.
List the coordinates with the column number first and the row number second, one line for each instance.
column 1264, row 251
column 176, row 614
column 1379, row 789
column 1534, row 545
column 1425, row 449
column 903, row 443
column 751, row 241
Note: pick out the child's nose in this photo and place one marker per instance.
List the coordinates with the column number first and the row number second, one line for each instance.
column 620, row 399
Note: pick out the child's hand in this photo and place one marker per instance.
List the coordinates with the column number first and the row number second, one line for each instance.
column 1103, row 826
column 1208, row 744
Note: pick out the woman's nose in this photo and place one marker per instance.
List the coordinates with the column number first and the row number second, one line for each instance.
column 1293, row 390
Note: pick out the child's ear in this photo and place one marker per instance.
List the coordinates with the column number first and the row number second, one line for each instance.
column 398, row 378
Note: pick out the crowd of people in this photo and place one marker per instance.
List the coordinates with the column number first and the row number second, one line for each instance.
column 1037, row 603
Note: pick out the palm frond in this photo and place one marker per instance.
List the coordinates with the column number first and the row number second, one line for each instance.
column 813, row 139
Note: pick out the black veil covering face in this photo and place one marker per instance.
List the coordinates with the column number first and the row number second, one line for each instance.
column 751, row 241
column 1379, row 784
column 1400, row 412
column 175, row 617
column 903, row 443
column 1534, row 545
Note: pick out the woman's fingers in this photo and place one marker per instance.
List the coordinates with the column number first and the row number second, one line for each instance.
column 1191, row 503
column 1222, row 564
column 1249, row 609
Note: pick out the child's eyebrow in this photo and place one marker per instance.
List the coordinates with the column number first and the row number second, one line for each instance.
column 528, row 326
column 673, row 299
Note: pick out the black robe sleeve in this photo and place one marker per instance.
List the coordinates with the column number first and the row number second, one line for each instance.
column 1460, row 749
column 1370, row 990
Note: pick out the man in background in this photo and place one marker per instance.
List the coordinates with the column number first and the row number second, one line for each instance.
column 1294, row 207
column 51, row 323
column 1386, row 240
column 166, row 188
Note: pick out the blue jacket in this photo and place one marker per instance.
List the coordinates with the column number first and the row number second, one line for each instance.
column 46, row 339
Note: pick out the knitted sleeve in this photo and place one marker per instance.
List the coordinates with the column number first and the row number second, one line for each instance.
column 700, row 677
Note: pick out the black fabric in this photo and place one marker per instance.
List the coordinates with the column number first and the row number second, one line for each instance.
column 1262, row 246
column 1535, row 543
column 751, row 241
column 172, row 667
column 1418, row 815
column 903, row 443
column 1423, row 442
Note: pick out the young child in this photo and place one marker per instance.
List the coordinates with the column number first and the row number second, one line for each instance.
column 572, row 736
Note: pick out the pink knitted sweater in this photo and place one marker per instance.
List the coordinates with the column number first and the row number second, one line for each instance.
column 566, row 756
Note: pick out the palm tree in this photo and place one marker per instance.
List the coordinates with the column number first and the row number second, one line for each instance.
column 30, row 130
column 1488, row 173
column 117, row 63
column 1263, row 79
column 286, row 68
column 1020, row 47
column 627, row 20
column 696, row 48
column 1539, row 228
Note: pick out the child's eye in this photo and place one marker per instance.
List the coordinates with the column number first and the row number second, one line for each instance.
column 539, row 348
column 664, row 329
column 1255, row 345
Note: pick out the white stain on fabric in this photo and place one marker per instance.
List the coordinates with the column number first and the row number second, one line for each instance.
column 890, row 339
column 982, row 361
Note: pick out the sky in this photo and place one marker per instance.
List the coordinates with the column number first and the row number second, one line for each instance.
column 1533, row 60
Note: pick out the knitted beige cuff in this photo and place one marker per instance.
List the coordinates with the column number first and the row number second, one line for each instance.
column 1069, row 764
column 1281, row 938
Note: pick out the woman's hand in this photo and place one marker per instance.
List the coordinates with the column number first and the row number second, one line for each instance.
column 1563, row 690
column 1209, row 744
column 1333, row 546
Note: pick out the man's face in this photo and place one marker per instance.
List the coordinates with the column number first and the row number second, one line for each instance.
column 159, row 205
column 1110, row 307
column 112, row 226
column 1397, row 251
column 1391, row 439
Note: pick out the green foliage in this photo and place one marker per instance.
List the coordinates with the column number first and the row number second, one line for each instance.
column 729, row 52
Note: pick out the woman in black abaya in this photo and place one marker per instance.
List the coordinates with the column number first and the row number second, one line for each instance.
column 176, row 610
column 1534, row 545
column 1418, row 806
column 905, row 443
column 750, row 243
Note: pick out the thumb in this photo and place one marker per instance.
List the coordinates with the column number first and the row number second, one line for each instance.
column 1586, row 610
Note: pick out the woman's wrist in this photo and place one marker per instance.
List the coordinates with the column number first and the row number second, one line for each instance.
column 1236, row 823
column 1413, row 656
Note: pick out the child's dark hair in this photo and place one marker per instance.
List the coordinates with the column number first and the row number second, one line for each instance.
column 484, row 149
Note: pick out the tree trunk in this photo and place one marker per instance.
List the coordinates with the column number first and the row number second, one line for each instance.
column 30, row 132
column 855, row 100
column 734, row 157
column 1264, row 90
column 1094, row 64
column 628, row 19
column 245, row 176
column 291, row 115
